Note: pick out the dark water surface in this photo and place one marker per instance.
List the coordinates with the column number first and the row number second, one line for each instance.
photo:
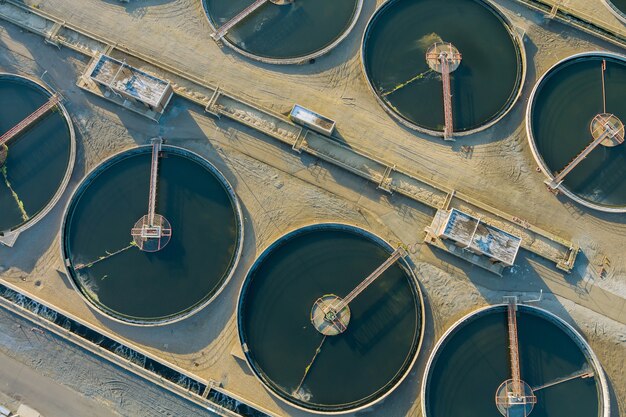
column 484, row 85
column 620, row 4
column 474, row 361
column 565, row 103
column 284, row 31
column 352, row 368
column 38, row 158
column 151, row 286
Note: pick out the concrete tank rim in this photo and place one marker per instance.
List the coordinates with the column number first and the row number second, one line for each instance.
column 619, row 14
column 531, row 138
column 293, row 232
column 92, row 174
column 71, row 159
column 518, row 41
column 294, row 60
column 604, row 398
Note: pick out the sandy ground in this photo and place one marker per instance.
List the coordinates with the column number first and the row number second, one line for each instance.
column 281, row 191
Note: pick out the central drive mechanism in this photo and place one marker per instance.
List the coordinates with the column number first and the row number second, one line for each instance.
column 443, row 57
column 152, row 235
column 609, row 126
column 515, row 398
column 330, row 315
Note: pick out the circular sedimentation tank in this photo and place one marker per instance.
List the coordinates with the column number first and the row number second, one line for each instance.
column 284, row 32
column 317, row 370
column 562, row 121
column 485, row 78
column 472, row 360
column 618, row 8
column 36, row 164
column 148, row 286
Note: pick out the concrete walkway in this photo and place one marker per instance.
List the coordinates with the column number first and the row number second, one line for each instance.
column 45, row 395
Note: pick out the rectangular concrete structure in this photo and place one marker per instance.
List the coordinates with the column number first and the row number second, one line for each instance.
column 481, row 238
column 312, row 120
column 130, row 87
column 468, row 238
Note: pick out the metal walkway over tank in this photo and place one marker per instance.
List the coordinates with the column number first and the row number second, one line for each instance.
column 330, row 313
column 445, row 58
column 397, row 254
column 514, row 397
column 514, row 345
column 219, row 34
column 604, row 127
column 154, row 168
column 32, row 118
column 153, row 231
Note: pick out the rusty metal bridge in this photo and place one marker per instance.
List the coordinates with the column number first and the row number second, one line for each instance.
column 330, row 314
column 514, row 347
column 605, row 128
column 445, row 58
column 153, row 231
column 397, row 254
column 223, row 30
column 29, row 120
column 514, row 397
